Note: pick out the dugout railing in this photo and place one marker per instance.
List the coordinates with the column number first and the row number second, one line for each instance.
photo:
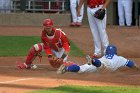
column 35, row 6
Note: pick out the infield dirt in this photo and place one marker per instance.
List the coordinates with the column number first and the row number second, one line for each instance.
column 13, row 80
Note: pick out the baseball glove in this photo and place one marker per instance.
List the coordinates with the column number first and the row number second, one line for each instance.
column 100, row 14
column 55, row 62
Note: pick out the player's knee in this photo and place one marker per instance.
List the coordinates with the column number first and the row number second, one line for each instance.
column 130, row 64
column 32, row 50
column 73, row 68
column 38, row 47
column 96, row 62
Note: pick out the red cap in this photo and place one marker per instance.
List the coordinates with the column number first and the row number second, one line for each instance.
column 48, row 22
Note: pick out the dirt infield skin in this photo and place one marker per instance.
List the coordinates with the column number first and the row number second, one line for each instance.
column 13, row 80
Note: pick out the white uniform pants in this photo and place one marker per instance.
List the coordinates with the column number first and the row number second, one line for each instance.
column 125, row 12
column 57, row 54
column 98, row 29
column 73, row 7
column 87, row 68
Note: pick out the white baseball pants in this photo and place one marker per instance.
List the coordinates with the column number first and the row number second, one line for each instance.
column 125, row 12
column 98, row 29
column 58, row 54
column 73, row 7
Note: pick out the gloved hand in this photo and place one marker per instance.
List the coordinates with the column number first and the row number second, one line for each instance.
column 55, row 62
column 100, row 14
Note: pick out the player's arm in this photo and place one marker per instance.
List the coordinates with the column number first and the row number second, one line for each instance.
column 51, row 58
column 65, row 44
column 79, row 7
column 47, row 48
column 132, row 65
column 129, row 63
column 106, row 4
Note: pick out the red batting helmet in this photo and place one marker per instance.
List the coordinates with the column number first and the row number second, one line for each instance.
column 48, row 22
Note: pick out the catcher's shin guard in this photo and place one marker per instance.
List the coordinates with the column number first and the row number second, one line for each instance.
column 33, row 52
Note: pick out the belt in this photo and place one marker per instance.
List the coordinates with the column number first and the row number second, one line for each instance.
column 93, row 6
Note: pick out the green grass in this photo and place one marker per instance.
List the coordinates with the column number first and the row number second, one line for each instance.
column 89, row 89
column 20, row 45
column 75, row 51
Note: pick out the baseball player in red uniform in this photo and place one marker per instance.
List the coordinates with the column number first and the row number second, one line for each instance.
column 97, row 24
column 54, row 43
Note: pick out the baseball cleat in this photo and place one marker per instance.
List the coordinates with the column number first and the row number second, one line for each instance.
column 21, row 65
column 73, row 24
column 78, row 24
column 95, row 56
column 89, row 59
column 61, row 69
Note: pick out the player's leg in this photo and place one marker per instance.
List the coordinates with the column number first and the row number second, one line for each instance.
column 87, row 68
column 75, row 68
column 73, row 11
column 32, row 54
column 101, row 24
column 96, row 62
column 80, row 18
column 121, row 12
column 72, row 68
column 128, row 12
column 94, row 31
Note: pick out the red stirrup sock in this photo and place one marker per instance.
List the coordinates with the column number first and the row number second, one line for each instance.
column 69, row 63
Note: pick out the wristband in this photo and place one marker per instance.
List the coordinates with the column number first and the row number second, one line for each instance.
column 63, row 56
column 49, row 56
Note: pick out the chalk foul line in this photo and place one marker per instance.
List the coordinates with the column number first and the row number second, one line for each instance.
column 12, row 81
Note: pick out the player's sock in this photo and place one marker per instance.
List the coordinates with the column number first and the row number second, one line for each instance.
column 73, row 68
column 96, row 62
column 69, row 63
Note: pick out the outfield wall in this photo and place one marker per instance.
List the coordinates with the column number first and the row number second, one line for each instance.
column 34, row 19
